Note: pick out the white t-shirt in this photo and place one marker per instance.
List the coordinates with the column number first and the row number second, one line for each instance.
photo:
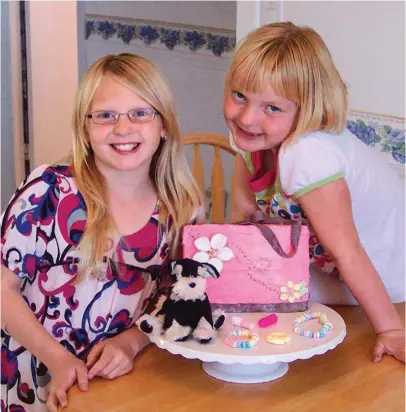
column 377, row 194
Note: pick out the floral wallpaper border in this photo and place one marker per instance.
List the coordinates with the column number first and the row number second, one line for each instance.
column 386, row 134
column 194, row 38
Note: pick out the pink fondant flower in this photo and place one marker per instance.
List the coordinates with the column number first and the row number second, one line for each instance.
column 213, row 251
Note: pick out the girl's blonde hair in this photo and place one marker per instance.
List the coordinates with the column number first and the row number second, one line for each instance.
column 179, row 195
column 296, row 62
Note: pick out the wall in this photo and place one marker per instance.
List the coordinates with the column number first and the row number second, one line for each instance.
column 53, row 77
column 197, row 13
column 367, row 41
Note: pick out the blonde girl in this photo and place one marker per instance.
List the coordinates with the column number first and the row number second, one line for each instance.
column 285, row 104
column 76, row 238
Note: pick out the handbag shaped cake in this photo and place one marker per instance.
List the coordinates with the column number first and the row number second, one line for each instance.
column 263, row 267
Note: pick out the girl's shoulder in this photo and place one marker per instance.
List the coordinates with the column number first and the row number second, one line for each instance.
column 312, row 161
column 52, row 175
column 45, row 184
column 315, row 146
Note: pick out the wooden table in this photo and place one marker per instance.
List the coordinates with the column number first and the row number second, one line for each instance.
column 344, row 379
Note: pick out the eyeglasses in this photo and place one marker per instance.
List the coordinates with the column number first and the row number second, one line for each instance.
column 135, row 116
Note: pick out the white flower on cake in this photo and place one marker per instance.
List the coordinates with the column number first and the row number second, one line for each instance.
column 292, row 291
column 213, row 251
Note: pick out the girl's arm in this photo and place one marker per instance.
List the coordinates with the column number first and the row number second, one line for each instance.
column 329, row 210
column 243, row 203
column 20, row 322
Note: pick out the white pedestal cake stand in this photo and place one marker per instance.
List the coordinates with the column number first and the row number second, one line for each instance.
column 265, row 361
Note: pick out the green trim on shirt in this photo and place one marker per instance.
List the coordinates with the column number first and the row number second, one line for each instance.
column 248, row 162
column 318, row 184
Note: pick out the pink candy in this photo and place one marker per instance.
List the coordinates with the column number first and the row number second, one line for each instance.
column 268, row 320
column 237, row 321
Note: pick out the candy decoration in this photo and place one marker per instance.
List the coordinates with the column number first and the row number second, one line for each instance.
column 279, row 338
column 268, row 320
column 238, row 321
column 326, row 325
column 241, row 338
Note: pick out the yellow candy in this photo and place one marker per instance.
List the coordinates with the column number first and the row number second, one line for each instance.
column 279, row 338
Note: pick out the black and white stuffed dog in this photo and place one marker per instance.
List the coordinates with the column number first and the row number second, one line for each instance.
column 186, row 311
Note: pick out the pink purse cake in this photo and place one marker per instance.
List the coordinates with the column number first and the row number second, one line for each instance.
column 263, row 267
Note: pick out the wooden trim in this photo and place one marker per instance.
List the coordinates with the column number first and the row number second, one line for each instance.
column 210, row 139
column 376, row 114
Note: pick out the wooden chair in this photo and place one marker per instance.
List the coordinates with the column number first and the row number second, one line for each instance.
column 217, row 174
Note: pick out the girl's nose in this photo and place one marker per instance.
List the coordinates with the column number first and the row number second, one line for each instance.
column 248, row 116
column 123, row 126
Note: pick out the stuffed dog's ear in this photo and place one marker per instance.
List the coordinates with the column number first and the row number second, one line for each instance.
column 172, row 265
column 206, row 270
column 176, row 269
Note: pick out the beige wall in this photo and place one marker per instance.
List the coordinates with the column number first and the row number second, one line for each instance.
column 366, row 39
column 53, row 71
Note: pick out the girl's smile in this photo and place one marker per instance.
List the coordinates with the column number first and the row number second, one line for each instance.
column 125, row 148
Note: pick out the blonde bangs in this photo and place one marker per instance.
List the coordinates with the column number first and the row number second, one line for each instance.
column 249, row 74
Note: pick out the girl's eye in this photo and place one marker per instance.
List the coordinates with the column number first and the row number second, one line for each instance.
column 272, row 109
column 238, row 96
column 104, row 115
column 140, row 113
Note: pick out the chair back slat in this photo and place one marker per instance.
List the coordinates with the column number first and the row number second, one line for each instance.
column 217, row 174
column 198, row 170
column 217, row 195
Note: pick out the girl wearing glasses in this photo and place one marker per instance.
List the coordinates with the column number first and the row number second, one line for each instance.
column 76, row 237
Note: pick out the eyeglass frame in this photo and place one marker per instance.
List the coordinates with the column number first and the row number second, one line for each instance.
column 117, row 117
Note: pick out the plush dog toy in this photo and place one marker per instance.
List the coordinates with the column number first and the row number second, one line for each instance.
column 186, row 310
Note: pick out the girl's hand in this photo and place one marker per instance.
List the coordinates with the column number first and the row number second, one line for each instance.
column 64, row 373
column 111, row 358
column 392, row 343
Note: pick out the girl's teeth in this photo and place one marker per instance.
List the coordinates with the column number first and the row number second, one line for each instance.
column 128, row 147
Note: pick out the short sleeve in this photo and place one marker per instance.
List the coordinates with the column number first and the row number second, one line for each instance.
column 25, row 221
column 309, row 163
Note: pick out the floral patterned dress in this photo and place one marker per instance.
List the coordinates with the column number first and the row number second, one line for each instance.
column 272, row 201
column 40, row 232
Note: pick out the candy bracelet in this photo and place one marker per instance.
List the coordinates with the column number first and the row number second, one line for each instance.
column 242, row 338
column 326, row 325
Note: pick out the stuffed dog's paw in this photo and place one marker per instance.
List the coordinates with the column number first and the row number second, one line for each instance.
column 204, row 332
column 218, row 319
column 150, row 325
column 178, row 332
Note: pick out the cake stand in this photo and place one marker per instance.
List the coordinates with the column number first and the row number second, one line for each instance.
column 265, row 361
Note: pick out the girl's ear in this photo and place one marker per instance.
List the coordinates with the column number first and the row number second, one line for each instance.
column 207, row 270
column 163, row 134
